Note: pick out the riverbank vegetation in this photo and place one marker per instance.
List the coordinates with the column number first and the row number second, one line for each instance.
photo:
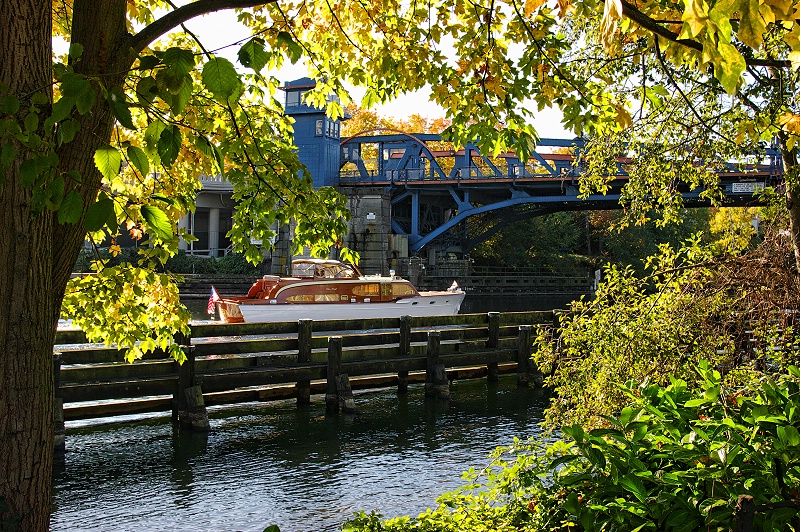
column 676, row 405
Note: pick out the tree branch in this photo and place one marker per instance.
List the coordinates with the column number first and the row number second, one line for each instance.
column 173, row 19
column 631, row 12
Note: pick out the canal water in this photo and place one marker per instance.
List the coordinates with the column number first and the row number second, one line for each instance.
column 272, row 463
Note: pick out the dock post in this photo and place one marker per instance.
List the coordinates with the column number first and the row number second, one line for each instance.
column 188, row 406
column 494, row 330
column 60, row 443
column 523, row 355
column 304, row 329
column 405, row 351
column 493, row 342
column 334, row 367
column 436, row 383
column 345, row 394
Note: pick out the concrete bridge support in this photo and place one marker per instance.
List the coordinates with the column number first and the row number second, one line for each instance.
column 370, row 228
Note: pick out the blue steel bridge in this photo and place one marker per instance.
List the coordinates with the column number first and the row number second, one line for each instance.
column 457, row 199
column 451, row 200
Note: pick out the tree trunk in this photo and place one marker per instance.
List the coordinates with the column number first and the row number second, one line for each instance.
column 36, row 252
column 26, row 285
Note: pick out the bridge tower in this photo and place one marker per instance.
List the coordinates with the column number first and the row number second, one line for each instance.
column 318, row 138
column 315, row 134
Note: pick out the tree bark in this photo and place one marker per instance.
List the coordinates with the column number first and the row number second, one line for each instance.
column 36, row 252
column 26, row 331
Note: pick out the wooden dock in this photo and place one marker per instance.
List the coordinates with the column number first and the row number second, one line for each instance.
column 235, row 363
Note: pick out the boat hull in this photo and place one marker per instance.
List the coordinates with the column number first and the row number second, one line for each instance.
column 425, row 304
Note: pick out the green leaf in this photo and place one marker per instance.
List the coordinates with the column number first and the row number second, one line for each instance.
column 67, row 129
column 272, row 528
column 75, row 51
column 119, row 107
column 751, row 25
column 75, row 176
column 293, row 50
column 153, row 133
column 28, row 172
column 60, row 111
column 71, row 208
column 74, row 85
column 181, row 97
column 148, row 61
column 635, row 486
column 169, row 145
column 220, row 78
column 789, row 435
column 253, row 55
column 9, row 105
column 157, row 221
column 85, row 102
column 55, row 193
column 108, row 160
column 138, row 158
column 179, row 62
column 99, row 213
column 147, row 90
column 729, row 70
column 7, row 154
column 31, row 121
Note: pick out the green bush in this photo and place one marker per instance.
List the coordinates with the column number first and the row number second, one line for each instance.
column 733, row 311
column 671, row 460
column 236, row 264
column 181, row 263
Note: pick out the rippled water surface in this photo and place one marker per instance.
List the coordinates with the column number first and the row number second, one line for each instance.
column 272, row 463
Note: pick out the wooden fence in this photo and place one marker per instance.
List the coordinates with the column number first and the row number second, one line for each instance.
column 233, row 363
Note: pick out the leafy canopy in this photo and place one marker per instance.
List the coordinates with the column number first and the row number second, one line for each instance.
column 182, row 110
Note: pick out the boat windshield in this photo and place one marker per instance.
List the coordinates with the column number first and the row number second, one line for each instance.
column 324, row 270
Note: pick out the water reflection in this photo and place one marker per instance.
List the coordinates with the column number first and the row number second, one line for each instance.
column 275, row 463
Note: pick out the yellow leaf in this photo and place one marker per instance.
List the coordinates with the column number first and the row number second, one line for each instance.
column 532, row 5
column 695, row 18
column 623, row 117
column 612, row 12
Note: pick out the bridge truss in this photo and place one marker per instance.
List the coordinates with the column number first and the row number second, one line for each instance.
column 456, row 199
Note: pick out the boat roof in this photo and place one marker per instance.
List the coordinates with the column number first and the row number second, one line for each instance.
column 327, row 262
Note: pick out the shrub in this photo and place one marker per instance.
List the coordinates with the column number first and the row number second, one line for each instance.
column 671, row 460
column 735, row 312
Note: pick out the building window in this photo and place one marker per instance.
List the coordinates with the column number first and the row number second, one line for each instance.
column 292, row 98
column 319, row 128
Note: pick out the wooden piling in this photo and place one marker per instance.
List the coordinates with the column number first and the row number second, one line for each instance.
column 334, row 368
column 523, row 355
column 402, row 381
column 436, row 383
column 405, row 336
column 60, row 442
column 494, row 330
column 404, row 351
column 188, row 407
column 304, row 330
column 345, row 394
column 492, row 342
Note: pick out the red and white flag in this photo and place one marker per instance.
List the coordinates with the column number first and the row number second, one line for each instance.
column 212, row 301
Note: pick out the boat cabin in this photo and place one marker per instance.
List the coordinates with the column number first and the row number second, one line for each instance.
column 323, row 269
column 328, row 281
